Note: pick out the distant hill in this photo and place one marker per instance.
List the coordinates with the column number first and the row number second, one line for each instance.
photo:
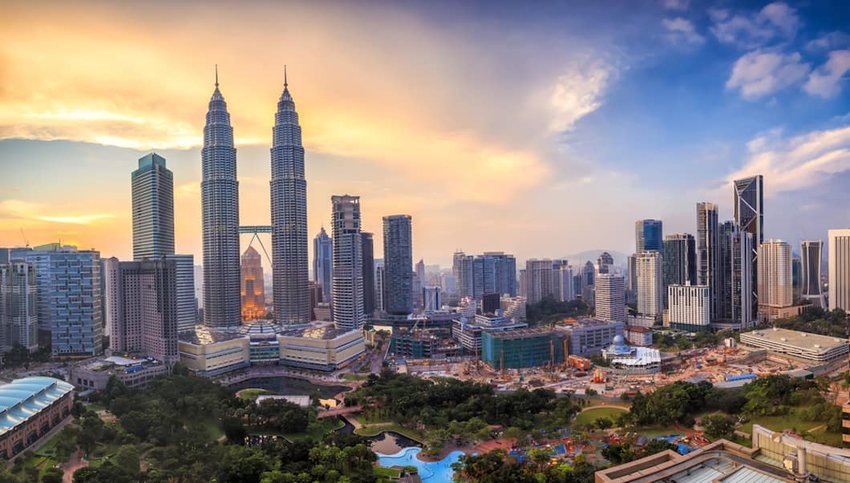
column 592, row 255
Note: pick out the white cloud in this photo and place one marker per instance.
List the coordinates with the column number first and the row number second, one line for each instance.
column 825, row 81
column 803, row 161
column 757, row 74
column 675, row 4
column 828, row 41
column 681, row 31
column 577, row 93
column 775, row 20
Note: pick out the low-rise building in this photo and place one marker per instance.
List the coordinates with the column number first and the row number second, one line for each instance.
column 321, row 347
column 774, row 458
column 30, row 408
column 632, row 360
column 211, row 353
column 802, row 346
column 639, row 336
column 521, row 348
column 133, row 372
column 589, row 337
column 468, row 333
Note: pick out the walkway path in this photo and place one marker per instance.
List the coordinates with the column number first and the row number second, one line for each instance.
column 339, row 411
column 75, row 463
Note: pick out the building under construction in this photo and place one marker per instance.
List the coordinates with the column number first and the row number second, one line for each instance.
column 522, row 348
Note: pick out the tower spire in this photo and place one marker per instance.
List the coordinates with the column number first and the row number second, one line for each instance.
column 285, row 83
column 216, row 75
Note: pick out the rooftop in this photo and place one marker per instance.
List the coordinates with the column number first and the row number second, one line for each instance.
column 521, row 333
column 797, row 339
column 316, row 330
column 24, row 398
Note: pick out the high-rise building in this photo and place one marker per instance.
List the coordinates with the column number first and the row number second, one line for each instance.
column 68, row 288
column 565, row 277
column 492, row 272
column 680, row 260
column 605, row 263
column 368, row 244
column 110, row 274
column 650, row 284
column 153, row 208
column 707, row 253
column 398, row 264
column 735, row 279
column 144, row 294
column 18, row 305
column 774, row 274
column 316, row 298
column 323, row 262
column 648, row 235
column 810, row 275
column 689, row 307
column 379, row 285
column 631, row 279
column 431, row 296
column 796, row 275
column 748, row 208
column 611, row 298
column 289, row 216
column 588, row 281
column 253, row 288
column 538, row 280
column 839, row 269
column 220, row 200
column 187, row 307
column 348, row 262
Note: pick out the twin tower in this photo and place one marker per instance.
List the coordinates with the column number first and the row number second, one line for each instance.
column 220, row 200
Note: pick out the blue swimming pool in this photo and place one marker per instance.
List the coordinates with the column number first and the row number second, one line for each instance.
column 436, row 472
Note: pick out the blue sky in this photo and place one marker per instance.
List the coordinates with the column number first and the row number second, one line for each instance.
column 541, row 129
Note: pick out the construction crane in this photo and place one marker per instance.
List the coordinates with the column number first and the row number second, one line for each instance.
column 26, row 242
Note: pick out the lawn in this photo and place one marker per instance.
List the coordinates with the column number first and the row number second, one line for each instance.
column 588, row 416
column 251, row 393
column 779, row 423
column 390, row 473
column 369, row 430
column 355, row 377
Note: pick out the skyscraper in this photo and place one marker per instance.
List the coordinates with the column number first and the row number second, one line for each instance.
column 323, row 262
column 144, row 295
column 253, row 288
column 539, row 280
column 810, row 276
column 774, row 274
column 650, row 284
column 398, row 264
column 565, row 277
column 839, row 269
column 289, row 216
column 220, row 200
column 689, row 307
column 348, row 262
column 748, row 207
column 368, row 244
column 187, row 307
column 707, row 253
column 648, row 235
column 734, row 282
column 153, row 208
column 605, row 262
column 492, row 272
column 611, row 297
column 680, row 260
column 379, row 285
column 18, row 305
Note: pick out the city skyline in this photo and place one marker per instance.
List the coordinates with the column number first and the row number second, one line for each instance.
column 728, row 83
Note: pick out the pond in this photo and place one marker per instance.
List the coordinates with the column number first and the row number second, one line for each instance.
column 430, row 472
column 288, row 386
column 390, row 442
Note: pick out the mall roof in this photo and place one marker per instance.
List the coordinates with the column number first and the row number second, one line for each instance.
column 797, row 339
column 24, row 398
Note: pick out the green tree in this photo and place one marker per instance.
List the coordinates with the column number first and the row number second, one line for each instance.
column 718, row 426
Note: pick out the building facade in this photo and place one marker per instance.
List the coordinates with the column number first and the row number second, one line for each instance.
column 492, row 272
column 689, row 307
column 253, row 286
column 611, row 297
column 839, row 269
column 153, row 208
column 369, row 299
column 220, row 218
column 748, row 209
column 539, row 280
column 68, row 288
column 398, row 265
column 735, row 282
column 348, row 262
column 32, row 406
column 289, row 216
column 680, row 259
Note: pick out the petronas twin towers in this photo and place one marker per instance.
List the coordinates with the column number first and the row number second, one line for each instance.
column 220, row 200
